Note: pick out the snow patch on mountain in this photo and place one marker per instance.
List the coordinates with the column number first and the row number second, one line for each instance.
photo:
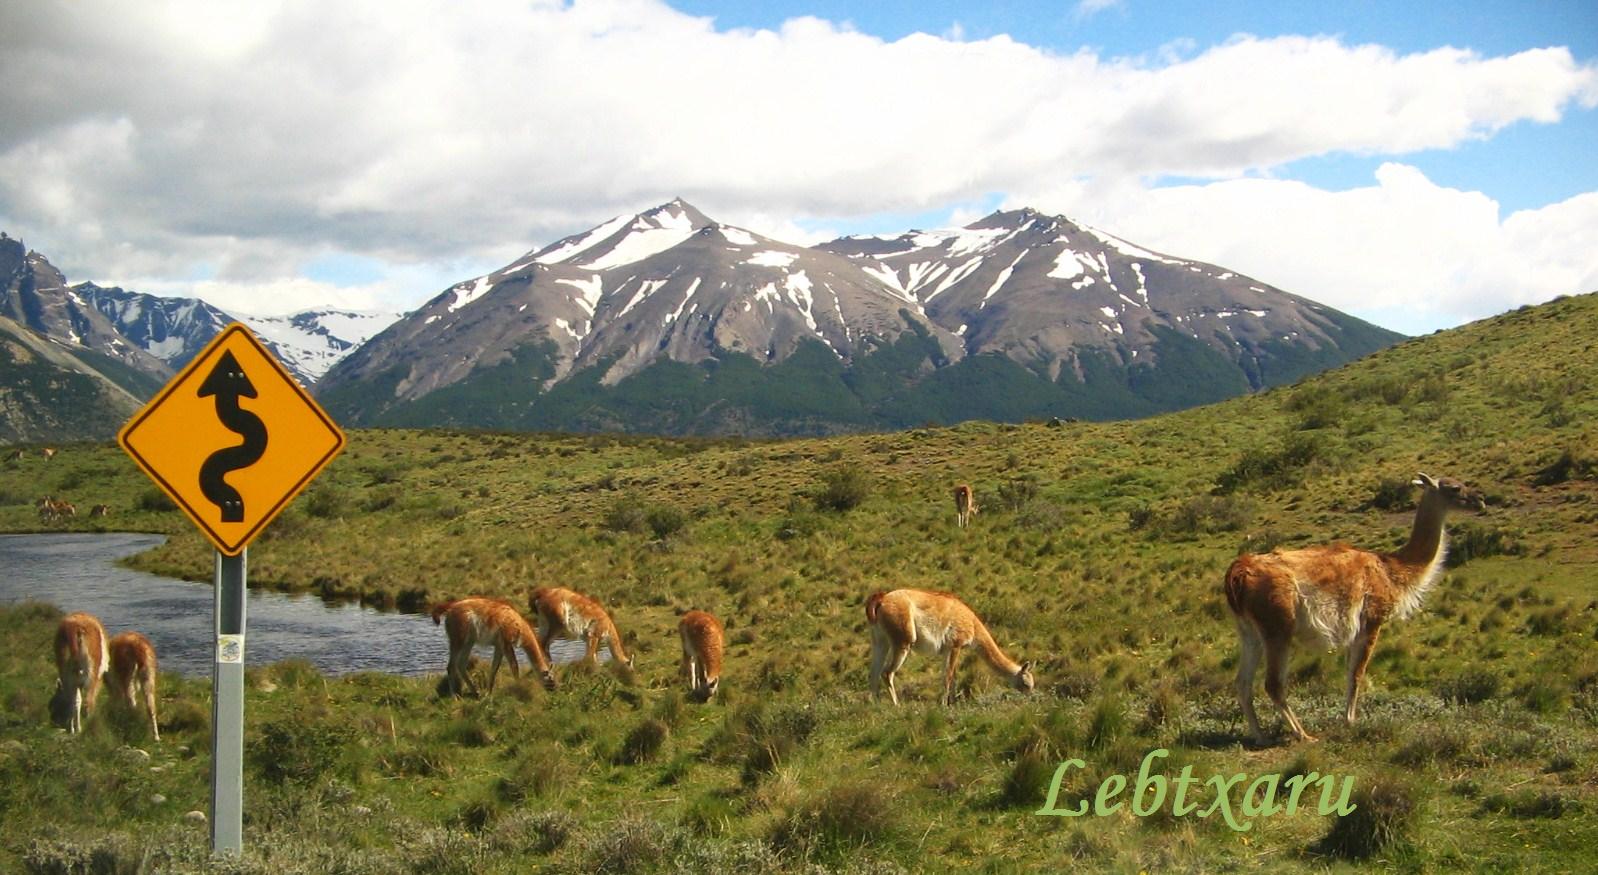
column 649, row 235
column 585, row 242
column 589, row 291
column 737, row 236
column 772, row 258
column 467, row 292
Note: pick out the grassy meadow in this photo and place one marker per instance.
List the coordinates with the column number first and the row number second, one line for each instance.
column 1098, row 553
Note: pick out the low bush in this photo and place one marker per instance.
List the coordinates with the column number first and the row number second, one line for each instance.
column 1384, row 816
column 842, row 489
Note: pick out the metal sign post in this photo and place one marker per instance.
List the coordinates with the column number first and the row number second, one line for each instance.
column 232, row 439
column 227, row 708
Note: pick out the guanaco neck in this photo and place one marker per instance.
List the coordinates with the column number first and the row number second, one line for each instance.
column 616, row 649
column 992, row 655
column 1426, row 540
column 531, row 647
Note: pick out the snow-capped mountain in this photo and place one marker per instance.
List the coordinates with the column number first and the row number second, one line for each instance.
column 35, row 295
column 174, row 330
column 310, row 342
column 668, row 282
column 670, row 321
column 1042, row 290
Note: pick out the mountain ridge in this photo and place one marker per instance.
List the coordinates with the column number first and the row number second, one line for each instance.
column 921, row 319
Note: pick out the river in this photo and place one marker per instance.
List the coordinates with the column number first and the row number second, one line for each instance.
column 79, row 572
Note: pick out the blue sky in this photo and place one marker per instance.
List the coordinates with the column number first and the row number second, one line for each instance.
column 1416, row 164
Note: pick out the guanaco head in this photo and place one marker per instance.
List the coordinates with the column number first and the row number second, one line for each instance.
column 548, row 677
column 1453, row 492
column 1023, row 679
column 705, row 692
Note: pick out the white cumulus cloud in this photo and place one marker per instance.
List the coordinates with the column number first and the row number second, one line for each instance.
column 150, row 140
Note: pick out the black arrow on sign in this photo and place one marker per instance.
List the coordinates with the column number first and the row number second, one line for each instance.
column 228, row 383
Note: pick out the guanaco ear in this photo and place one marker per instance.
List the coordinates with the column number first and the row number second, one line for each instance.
column 1025, row 667
column 631, row 659
column 710, row 688
column 1426, row 480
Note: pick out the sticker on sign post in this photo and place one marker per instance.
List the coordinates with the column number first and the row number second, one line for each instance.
column 230, row 649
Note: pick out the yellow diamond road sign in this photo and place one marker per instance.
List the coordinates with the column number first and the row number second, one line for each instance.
column 232, row 439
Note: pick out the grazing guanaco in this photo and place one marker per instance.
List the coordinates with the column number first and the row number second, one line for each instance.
column 133, row 671
column 931, row 622
column 100, row 510
column 81, row 661
column 1339, row 594
column 52, row 508
column 563, row 613
column 472, row 621
column 965, row 504
column 16, row 455
column 702, row 647
column 48, row 452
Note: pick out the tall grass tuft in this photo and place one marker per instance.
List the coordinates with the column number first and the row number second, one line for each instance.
column 1384, row 817
column 846, row 816
column 644, row 742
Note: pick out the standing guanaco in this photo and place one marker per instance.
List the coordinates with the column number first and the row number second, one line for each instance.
column 563, row 613
column 473, row 621
column 133, row 671
column 1337, row 593
column 931, row 622
column 702, row 647
column 81, row 661
column 965, row 504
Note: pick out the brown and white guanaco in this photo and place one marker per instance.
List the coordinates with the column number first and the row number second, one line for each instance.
column 472, row 621
column 563, row 613
column 81, row 661
column 1337, row 594
column 133, row 671
column 965, row 504
column 702, row 648
column 931, row 622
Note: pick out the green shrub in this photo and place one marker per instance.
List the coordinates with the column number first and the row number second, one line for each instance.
column 1393, row 494
column 1384, row 816
column 1469, row 540
column 1474, row 685
column 644, row 742
column 1199, row 515
column 1107, row 723
column 534, row 776
column 842, row 489
column 328, row 502
column 156, row 501
column 627, row 514
column 300, row 750
column 532, row 832
column 665, row 520
column 632, row 845
column 1027, row 781
column 1529, row 804
column 1278, row 469
column 844, row 817
column 1017, row 492
column 800, row 524
column 1569, row 466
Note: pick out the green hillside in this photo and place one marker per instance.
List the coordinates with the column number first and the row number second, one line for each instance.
column 50, row 395
column 1098, row 553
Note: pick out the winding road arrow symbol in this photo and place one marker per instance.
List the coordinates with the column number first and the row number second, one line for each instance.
column 228, row 383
